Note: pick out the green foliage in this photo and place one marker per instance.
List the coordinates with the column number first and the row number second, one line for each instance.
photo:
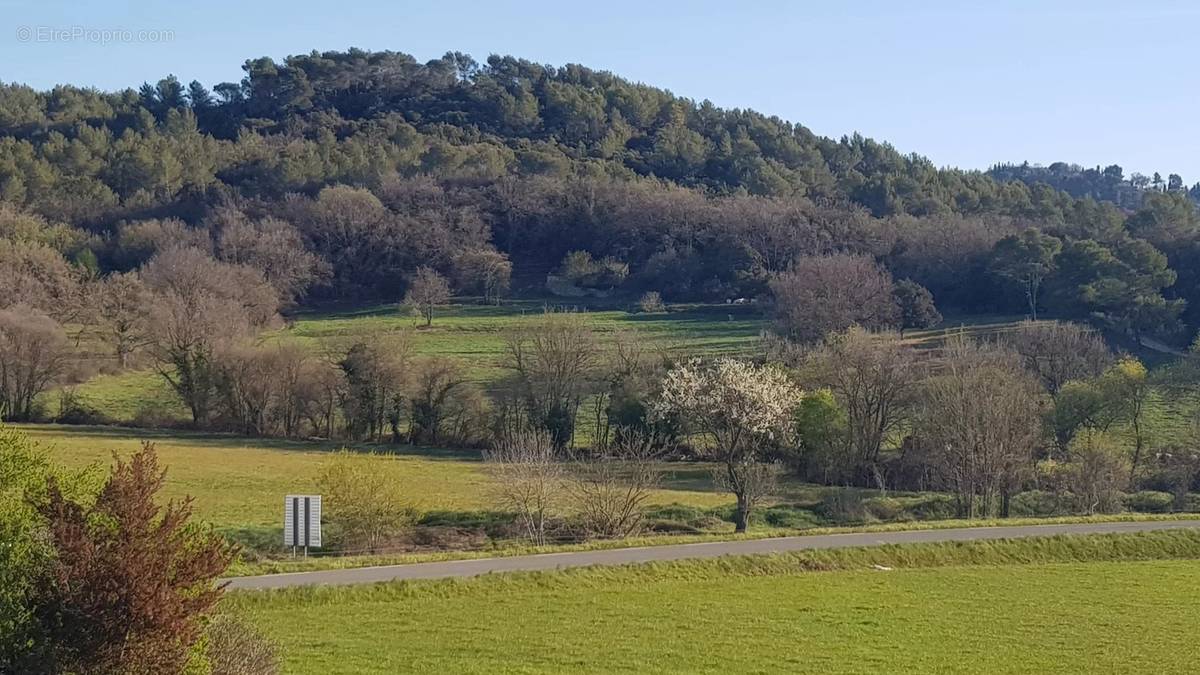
column 1038, row 503
column 820, row 424
column 1150, row 501
column 25, row 554
column 917, row 309
column 367, row 509
column 1025, row 260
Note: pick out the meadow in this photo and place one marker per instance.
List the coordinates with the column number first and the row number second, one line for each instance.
column 239, row 483
column 1112, row 604
column 472, row 334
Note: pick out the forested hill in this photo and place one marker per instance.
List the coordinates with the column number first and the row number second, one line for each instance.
column 365, row 166
column 1106, row 184
column 358, row 117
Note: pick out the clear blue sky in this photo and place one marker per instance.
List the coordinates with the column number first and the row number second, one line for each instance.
column 964, row 83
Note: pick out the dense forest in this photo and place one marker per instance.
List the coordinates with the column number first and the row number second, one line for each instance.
column 336, row 175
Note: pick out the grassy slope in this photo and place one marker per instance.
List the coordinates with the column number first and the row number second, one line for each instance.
column 473, row 334
column 945, row 607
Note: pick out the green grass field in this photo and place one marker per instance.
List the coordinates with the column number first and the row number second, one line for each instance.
column 240, row 483
column 1111, row 604
column 473, row 334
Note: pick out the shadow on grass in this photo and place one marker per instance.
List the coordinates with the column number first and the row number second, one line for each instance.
column 47, row 433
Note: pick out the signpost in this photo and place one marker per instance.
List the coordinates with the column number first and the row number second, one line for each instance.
column 302, row 522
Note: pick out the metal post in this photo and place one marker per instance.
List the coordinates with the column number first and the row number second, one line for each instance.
column 295, row 524
column 306, row 526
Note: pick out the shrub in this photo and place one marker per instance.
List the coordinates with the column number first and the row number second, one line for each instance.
column 842, row 506
column 609, row 493
column 363, row 504
column 72, row 409
column 235, row 647
column 933, row 507
column 785, row 515
column 652, row 302
column 130, row 581
column 1097, row 473
column 1036, row 503
column 683, row 518
column 1150, row 501
column 884, row 508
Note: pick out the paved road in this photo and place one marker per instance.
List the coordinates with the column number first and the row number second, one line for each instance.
column 625, row 556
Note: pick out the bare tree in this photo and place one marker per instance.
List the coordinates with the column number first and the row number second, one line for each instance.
column 262, row 387
column 485, row 271
column 736, row 406
column 979, row 422
column 611, row 491
column 874, row 378
column 426, row 290
column 821, row 294
column 122, row 312
column 553, row 358
column 202, row 305
column 275, row 248
column 441, row 395
column 528, row 479
column 1059, row 352
column 376, row 372
column 38, row 276
column 33, row 353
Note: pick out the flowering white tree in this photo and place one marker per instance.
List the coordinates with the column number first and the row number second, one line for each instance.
column 735, row 405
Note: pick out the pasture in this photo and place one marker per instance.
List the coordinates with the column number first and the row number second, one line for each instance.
column 474, row 335
column 1082, row 604
column 239, row 483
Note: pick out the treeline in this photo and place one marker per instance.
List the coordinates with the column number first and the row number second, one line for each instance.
column 359, row 117
column 1104, row 184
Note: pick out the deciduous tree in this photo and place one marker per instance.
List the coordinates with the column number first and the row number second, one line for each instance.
column 426, row 290
column 33, row 353
column 818, row 295
column 735, row 406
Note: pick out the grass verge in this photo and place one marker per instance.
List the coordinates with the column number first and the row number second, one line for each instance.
column 249, row 568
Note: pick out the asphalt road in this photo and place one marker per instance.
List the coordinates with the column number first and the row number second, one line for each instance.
column 625, row 556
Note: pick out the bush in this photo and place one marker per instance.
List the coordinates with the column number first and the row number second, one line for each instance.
column 1037, row 503
column 917, row 507
column 683, row 518
column 1149, row 501
column 234, row 647
column 72, row 409
column 933, row 507
column 793, row 517
column 842, row 506
column 364, row 506
column 1097, row 473
column 652, row 302
column 884, row 508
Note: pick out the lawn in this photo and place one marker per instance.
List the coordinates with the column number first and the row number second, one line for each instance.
column 982, row 613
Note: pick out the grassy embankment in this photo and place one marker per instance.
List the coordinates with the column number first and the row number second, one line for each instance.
column 1107, row 603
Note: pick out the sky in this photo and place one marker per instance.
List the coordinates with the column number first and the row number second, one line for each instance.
column 965, row 83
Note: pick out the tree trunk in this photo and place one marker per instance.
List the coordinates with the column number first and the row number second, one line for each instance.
column 741, row 515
